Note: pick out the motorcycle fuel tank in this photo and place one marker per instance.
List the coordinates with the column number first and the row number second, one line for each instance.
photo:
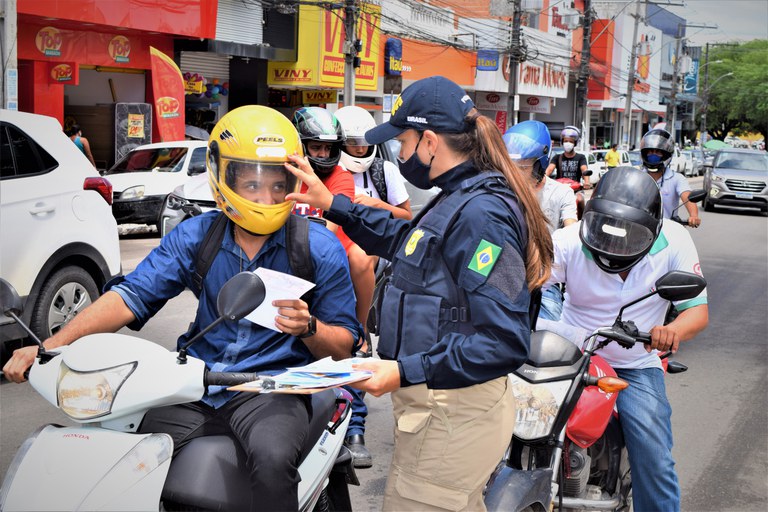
column 594, row 408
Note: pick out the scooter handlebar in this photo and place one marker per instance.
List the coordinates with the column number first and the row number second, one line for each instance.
column 228, row 378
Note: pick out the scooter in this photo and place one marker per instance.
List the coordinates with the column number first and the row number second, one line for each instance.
column 567, row 451
column 107, row 382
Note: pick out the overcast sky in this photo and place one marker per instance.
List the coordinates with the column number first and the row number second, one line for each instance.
column 737, row 20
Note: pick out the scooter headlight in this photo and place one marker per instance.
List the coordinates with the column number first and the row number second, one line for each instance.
column 537, row 406
column 88, row 395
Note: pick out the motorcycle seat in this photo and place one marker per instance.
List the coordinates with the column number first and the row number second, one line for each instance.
column 211, row 472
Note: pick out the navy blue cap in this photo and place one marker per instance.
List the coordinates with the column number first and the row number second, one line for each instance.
column 433, row 103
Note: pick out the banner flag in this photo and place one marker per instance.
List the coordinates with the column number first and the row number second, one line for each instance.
column 168, row 90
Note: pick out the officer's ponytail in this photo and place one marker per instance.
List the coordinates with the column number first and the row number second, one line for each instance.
column 483, row 143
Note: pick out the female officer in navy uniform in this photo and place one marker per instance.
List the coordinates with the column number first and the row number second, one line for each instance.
column 455, row 317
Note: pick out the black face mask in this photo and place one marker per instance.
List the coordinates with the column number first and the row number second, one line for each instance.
column 415, row 171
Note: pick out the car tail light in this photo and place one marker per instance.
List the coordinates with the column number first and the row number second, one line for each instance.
column 100, row 185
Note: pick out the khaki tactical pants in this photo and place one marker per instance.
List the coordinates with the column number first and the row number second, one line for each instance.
column 447, row 444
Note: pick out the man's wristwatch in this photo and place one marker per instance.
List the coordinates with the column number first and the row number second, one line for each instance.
column 311, row 327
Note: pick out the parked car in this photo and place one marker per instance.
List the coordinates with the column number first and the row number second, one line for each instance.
column 738, row 177
column 600, row 156
column 194, row 195
column 592, row 162
column 698, row 161
column 677, row 163
column 144, row 177
column 689, row 167
column 635, row 158
column 60, row 243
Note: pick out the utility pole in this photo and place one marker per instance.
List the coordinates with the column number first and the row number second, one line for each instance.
column 675, row 79
column 705, row 103
column 626, row 126
column 9, row 69
column 582, row 114
column 516, row 55
column 351, row 48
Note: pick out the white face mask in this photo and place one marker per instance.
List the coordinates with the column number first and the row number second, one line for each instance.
column 568, row 146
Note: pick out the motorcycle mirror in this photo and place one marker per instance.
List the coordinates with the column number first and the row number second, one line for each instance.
column 240, row 295
column 12, row 306
column 587, row 173
column 679, row 285
column 697, row 195
column 9, row 299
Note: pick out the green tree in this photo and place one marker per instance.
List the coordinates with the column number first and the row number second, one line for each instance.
column 739, row 103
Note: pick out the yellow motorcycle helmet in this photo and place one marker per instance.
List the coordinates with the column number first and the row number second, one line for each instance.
column 246, row 153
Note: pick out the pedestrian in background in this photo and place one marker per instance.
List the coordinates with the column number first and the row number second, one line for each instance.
column 612, row 157
column 455, row 316
column 76, row 135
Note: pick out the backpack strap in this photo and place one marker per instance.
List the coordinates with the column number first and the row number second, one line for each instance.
column 296, row 242
column 378, row 178
column 299, row 255
column 208, row 250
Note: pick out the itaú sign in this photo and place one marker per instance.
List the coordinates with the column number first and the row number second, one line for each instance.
column 542, row 79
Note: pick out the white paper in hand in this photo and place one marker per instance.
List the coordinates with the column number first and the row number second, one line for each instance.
column 278, row 286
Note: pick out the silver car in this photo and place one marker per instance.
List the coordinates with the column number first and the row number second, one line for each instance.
column 737, row 177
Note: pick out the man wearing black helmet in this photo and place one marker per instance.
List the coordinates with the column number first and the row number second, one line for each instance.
column 613, row 256
column 656, row 151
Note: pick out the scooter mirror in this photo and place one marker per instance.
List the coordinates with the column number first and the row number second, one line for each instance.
column 697, row 195
column 240, row 295
column 679, row 285
column 9, row 299
column 587, row 173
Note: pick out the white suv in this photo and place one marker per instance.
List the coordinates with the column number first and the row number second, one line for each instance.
column 59, row 239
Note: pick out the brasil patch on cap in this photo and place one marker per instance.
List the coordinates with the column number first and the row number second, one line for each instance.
column 485, row 258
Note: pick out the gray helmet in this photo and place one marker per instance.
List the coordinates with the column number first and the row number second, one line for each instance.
column 660, row 140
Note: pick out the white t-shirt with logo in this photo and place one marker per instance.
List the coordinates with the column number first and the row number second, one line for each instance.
column 593, row 297
column 396, row 192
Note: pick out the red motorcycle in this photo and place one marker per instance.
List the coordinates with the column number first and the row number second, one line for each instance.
column 567, row 451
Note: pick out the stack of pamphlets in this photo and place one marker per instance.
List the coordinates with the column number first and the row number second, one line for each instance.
column 323, row 374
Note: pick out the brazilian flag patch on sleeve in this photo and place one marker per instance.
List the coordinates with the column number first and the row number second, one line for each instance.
column 485, row 258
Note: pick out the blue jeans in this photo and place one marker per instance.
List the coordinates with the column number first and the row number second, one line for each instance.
column 359, row 412
column 551, row 303
column 646, row 420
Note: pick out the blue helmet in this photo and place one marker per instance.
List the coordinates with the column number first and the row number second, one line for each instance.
column 529, row 139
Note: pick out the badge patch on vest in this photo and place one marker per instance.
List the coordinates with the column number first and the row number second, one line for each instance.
column 413, row 241
column 485, row 258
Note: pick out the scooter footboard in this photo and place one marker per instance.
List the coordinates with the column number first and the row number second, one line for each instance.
column 87, row 469
column 512, row 490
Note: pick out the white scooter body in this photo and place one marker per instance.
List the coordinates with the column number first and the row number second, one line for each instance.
column 104, row 464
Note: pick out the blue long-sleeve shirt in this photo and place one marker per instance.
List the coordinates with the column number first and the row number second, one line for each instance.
column 498, row 303
column 242, row 346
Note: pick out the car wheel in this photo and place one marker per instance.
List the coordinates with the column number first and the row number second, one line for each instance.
column 708, row 206
column 65, row 294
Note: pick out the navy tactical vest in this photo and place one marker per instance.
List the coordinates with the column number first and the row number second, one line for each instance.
column 422, row 303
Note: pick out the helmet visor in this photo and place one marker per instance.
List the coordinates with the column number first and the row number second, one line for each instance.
column 259, row 182
column 614, row 236
column 356, row 140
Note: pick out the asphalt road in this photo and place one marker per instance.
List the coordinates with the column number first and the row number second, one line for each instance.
column 720, row 405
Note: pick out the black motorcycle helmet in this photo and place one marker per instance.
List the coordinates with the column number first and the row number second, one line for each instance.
column 660, row 140
column 622, row 219
column 319, row 124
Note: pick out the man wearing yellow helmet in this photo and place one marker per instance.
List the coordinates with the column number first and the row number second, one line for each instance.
column 246, row 156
